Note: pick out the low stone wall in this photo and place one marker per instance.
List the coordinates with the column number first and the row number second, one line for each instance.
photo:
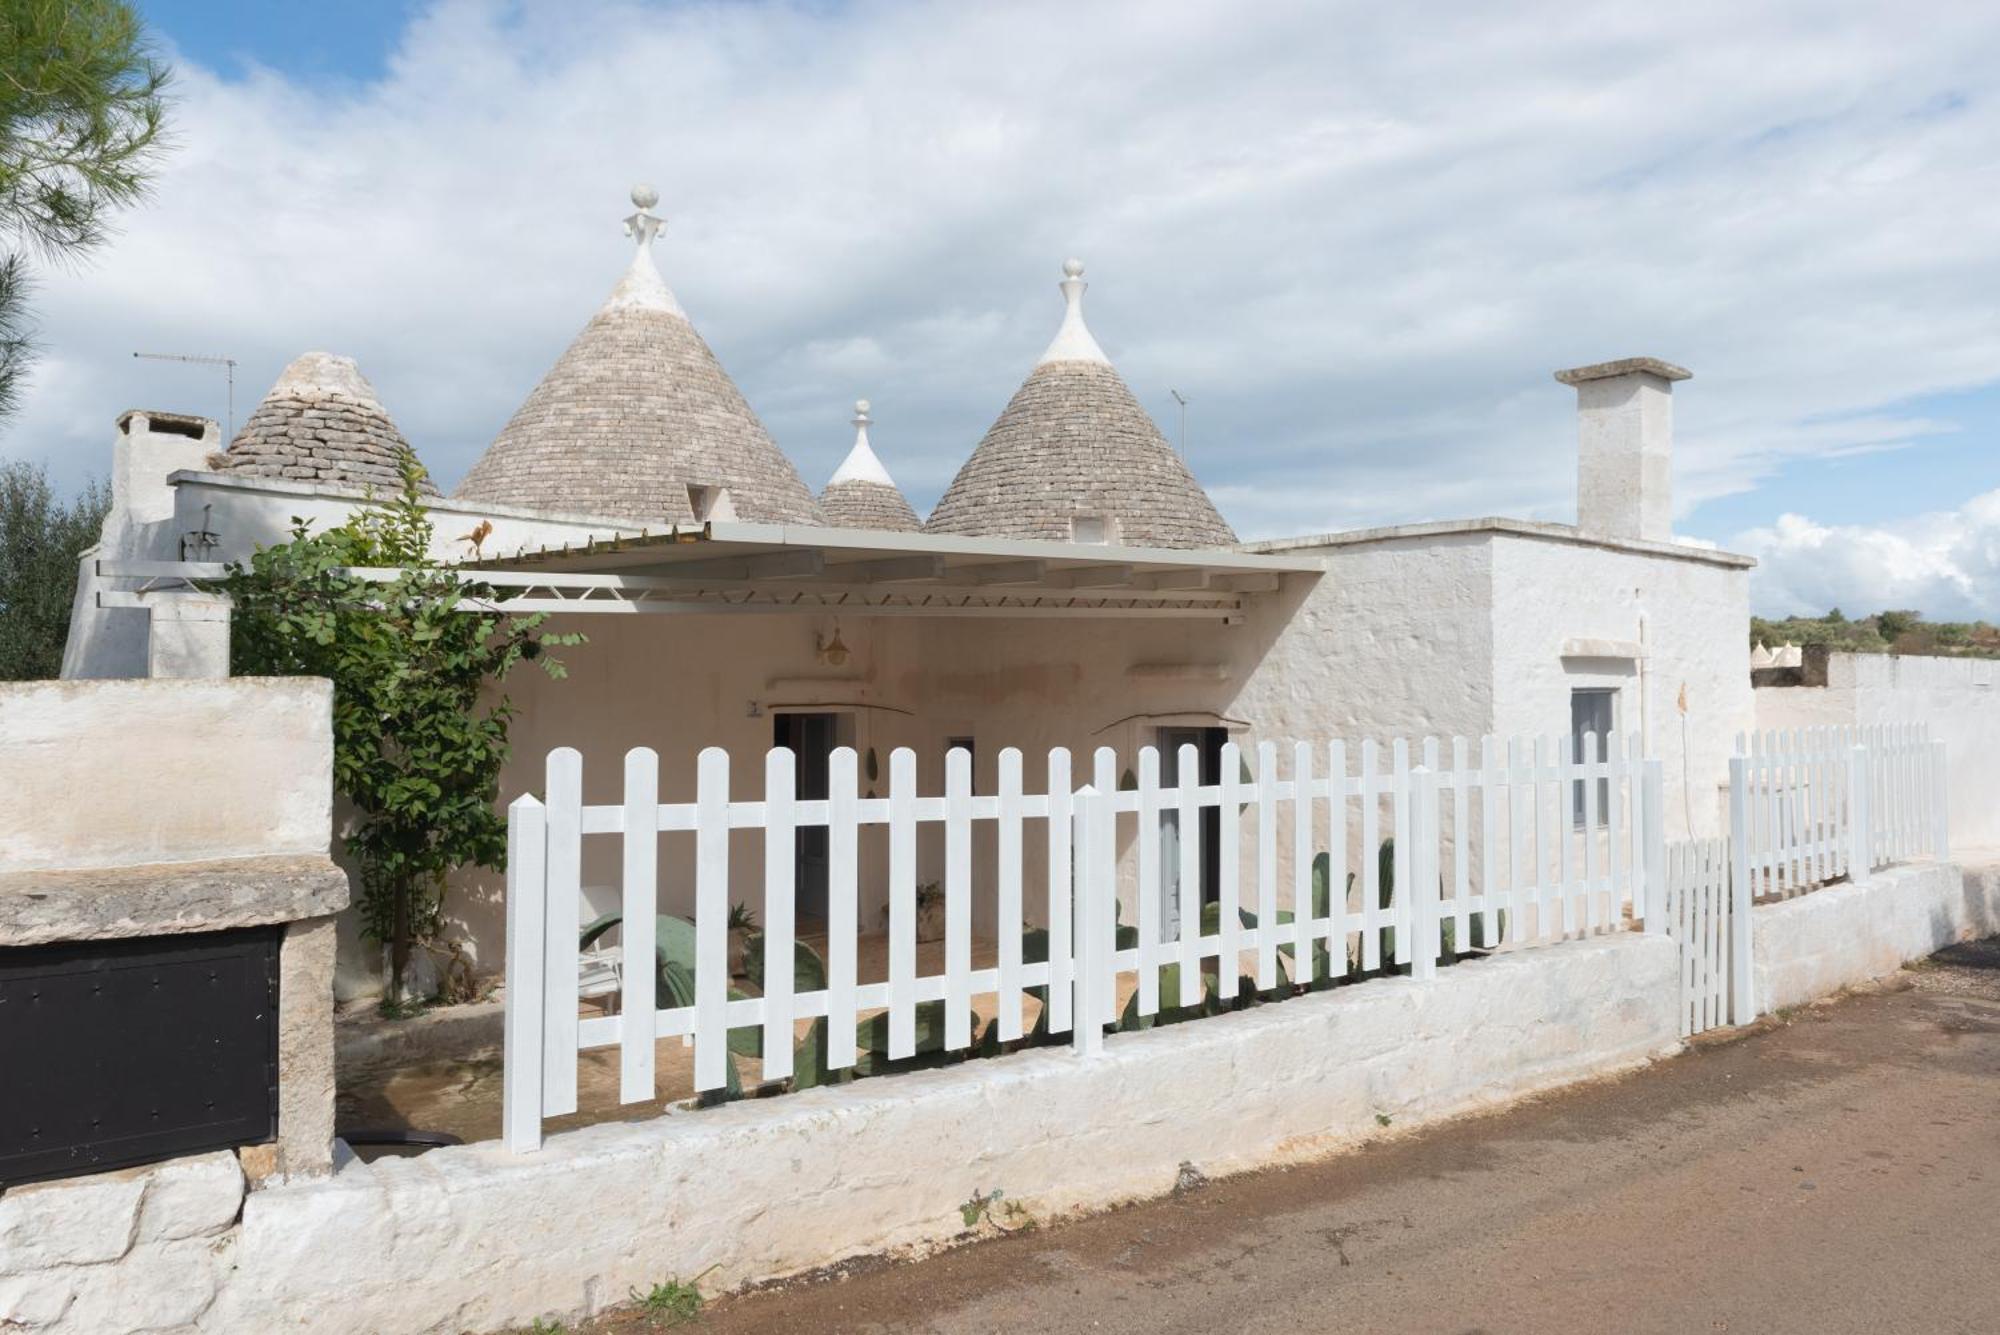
column 1812, row 946
column 475, row 1238
column 143, row 1249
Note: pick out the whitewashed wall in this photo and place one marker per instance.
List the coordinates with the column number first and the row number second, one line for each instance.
column 107, row 773
column 1959, row 697
column 1552, row 596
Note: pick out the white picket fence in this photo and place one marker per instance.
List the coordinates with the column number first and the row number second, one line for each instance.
column 1810, row 805
column 1532, row 841
column 1701, row 919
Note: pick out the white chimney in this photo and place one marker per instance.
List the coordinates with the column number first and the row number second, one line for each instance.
column 1625, row 447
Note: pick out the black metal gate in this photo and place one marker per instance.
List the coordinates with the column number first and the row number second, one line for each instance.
column 121, row 1052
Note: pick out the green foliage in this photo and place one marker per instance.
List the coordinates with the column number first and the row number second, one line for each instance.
column 419, row 733
column 41, row 538
column 674, row 1303
column 80, row 115
column 1897, row 631
column 979, row 1207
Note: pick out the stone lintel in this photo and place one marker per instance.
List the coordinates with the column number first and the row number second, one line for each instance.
column 167, row 898
column 1577, row 375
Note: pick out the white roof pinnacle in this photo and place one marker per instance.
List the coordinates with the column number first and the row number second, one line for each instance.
column 1073, row 342
column 642, row 287
column 861, row 464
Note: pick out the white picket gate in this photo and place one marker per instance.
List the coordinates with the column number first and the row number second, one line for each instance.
column 1702, row 920
column 1534, row 842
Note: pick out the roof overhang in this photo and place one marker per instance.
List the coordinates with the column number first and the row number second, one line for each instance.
column 729, row 566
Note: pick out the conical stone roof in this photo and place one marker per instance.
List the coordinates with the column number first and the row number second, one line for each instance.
column 1073, row 445
column 321, row 422
column 861, row 494
column 636, row 413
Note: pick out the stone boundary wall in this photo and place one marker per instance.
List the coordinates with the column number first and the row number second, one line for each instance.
column 474, row 1238
column 1813, row 946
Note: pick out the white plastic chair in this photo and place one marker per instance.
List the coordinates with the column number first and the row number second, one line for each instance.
column 600, row 970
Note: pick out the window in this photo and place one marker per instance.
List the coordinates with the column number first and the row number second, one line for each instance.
column 1098, row 529
column 709, row 503
column 1593, row 710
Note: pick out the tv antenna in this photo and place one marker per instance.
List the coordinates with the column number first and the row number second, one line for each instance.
column 1181, row 399
column 228, row 365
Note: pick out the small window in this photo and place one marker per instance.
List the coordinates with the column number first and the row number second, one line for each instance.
column 1097, row 529
column 1593, row 711
column 709, row 503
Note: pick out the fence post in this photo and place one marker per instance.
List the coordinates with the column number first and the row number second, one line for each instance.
column 527, row 908
column 1089, row 904
column 1652, row 786
column 1742, row 971
column 1942, row 796
column 1425, row 943
column 1860, row 828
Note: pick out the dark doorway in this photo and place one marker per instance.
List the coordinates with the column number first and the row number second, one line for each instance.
column 1207, row 743
column 811, row 737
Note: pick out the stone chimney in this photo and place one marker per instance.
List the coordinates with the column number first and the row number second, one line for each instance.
column 1625, row 447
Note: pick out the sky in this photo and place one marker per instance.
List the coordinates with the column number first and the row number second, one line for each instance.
column 1357, row 238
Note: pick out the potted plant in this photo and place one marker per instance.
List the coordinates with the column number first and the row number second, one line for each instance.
column 930, row 911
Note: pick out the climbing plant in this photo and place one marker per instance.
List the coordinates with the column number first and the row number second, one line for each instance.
column 419, row 728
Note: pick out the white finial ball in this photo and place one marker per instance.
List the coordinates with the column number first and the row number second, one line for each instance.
column 645, row 196
column 861, row 407
column 1072, row 267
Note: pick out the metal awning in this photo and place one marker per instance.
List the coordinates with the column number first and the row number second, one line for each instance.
column 729, row 567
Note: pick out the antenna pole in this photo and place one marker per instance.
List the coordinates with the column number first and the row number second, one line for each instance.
column 1181, row 399
column 228, row 365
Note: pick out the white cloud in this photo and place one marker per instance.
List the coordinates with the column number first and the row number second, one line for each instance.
column 1946, row 565
column 1357, row 239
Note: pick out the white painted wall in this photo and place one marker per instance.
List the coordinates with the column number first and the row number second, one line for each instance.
column 1958, row 697
column 109, row 773
column 1839, row 936
column 472, row 1237
column 1548, row 595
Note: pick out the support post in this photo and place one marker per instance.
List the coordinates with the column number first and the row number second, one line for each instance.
column 1860, row 829
column 1742, row 970
column 527, row 906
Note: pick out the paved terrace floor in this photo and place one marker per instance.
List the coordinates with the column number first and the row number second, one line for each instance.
column 1836, row 1169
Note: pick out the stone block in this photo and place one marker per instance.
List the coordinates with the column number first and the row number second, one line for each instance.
column 305, row 1048
column 76, row 1221
column 38, row 1300
column 189, row 1198
column 160, row 1286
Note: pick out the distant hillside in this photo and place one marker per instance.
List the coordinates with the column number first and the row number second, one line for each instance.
column 1901, row 632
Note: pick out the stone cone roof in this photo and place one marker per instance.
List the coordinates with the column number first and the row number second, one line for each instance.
column 1073, row 441
column 861, row 493
column 321, row 422
column 635, row 412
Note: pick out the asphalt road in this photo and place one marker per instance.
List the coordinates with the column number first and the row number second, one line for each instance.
column 1837, row 1170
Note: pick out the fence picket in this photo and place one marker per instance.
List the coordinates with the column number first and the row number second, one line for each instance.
column 1187, row 871
column 1061, row 807
column 1399, row 904
column 711, row 922
column 1302, row 858
column 843, row 910
column 780, row 899
column 1336, row 859
column 957, row 899
column 1149, row 880
column 1228, row 857
column 564, row 785
column 1267, row 865
column 902, row 903
column 1371, row 862
column 1007, row 857
column 638, row 1024
column 527, row 914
